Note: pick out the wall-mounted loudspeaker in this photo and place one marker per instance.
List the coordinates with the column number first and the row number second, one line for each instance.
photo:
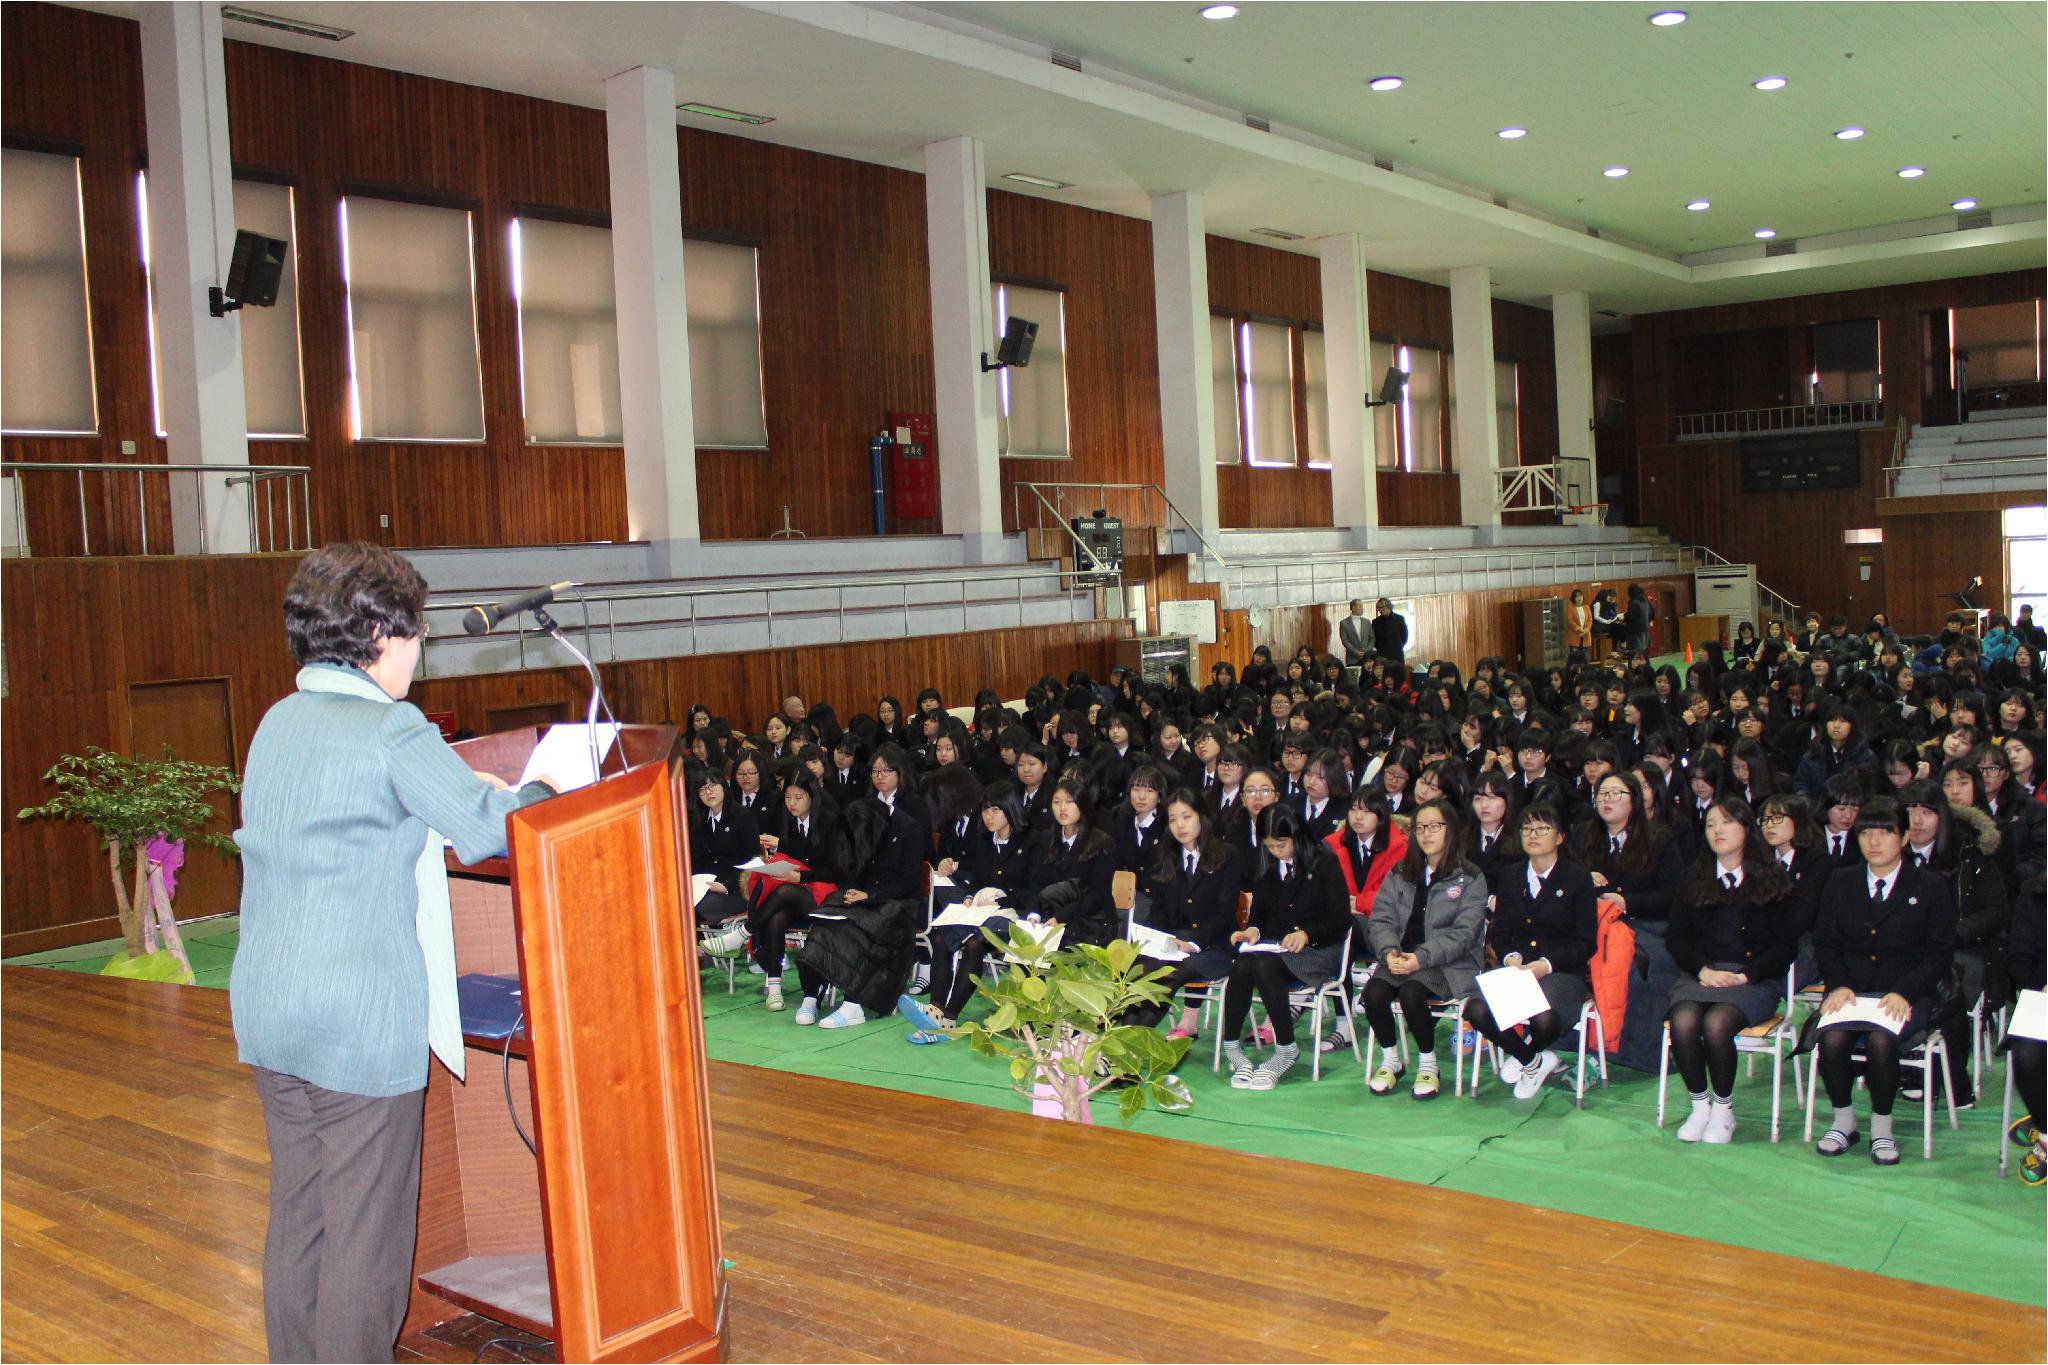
column 254, row 273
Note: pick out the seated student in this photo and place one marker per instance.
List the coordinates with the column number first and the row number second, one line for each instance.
column 1705, row 782
column 1172, row 755
column 1543, row 919
column 1599, row 758
column 954, row 796
column 720, row 840
column 1885, row 932
column 1034, row 790
column 865, row 932
column 1840, row 803
column 1071, row 869
column 1195, row 887
column 1733, row 932
column 2026, row 965
column 1838, row 748
column 1443, row 780
column 1490, row 842
column 1651, row 783
column 1532, row 760
column 1231, row 763
column 1298, row 902
column 998, row 861
column 1238, row 826
column 1786, row 822
column 1947, row 833
column 785, row 892
column 748, row 776
column 1295, row 752
column 892, row 778
column 1397, row 775
column 1327, row 792
column 1428, row 934
column 1136, row 828
column 1368, row 849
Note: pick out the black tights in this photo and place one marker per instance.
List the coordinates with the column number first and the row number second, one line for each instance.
column 1177, row 975
column 1382, row 993
column 811, row 982
column 780, row 911
column 1703, row 1045
column 1545, row 1029
column 1880, row 1066
column 2028, row 1058
column 1268, row 975
column 953, row 986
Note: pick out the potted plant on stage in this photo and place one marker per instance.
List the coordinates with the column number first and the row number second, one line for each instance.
column 1056, row 1020
column 146, row 811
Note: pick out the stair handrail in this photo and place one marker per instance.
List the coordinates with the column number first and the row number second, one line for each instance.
column 1784, row 606
column 1900, row 435
column 1037, row 490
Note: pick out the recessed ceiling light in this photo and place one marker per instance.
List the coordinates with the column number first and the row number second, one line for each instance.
column 729, row 115
column 1771, row 83
column 1042, row 182
column 1385, row 82
column 1512, row 133
column 1699, row 206
column 1668, row 18
column 1219, row 11
column 1963, row 205
column 1281, row 234
column 1847, row 134
column 1766, row 233
column 1615, row 172
column 1911, row 172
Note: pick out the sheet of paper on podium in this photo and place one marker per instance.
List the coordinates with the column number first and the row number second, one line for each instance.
column 563, row 755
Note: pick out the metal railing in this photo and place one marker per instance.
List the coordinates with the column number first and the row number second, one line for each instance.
column 1395, row 573
column 1565, row 485
column 298, row 516
column 1773, row 601
column 610, row 598
column 1942, row 471
column 1710, row 426
column 1057, row 505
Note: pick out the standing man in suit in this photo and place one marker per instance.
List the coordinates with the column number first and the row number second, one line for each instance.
column 1354, row 632
column 1390, row 637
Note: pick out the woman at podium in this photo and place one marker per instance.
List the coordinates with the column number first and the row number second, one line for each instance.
column 348, row 795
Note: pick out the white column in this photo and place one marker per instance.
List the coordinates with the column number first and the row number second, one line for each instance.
column 1347, row 358
column 192, row 238
column 1571, row 334
column 1472, row 371
column 1187, row 403
column 963, row 328
column 654, row 330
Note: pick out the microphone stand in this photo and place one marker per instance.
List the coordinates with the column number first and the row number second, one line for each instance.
column 547, row 626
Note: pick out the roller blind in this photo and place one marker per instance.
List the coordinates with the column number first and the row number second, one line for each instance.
column 1223, row 368
column 1507, row 409
column 45, row 329
column 721, row 284
column 1386, row 431
column 1268, row 382
column 568, row 332
column 412, row 322
column 1031, row 414
column 1422, row 409
column 1315, row 392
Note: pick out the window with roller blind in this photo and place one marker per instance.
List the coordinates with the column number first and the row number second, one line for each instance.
column 1031, row 402
column 1421, row 410
column 409, row 273
column 1223, row 372
column 46, row 379
column 721, row 283
column 1266, row 383
column 1315, row 397
column 272, row 376
column 1507, row 412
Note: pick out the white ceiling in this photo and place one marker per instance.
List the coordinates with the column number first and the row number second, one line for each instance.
column 877, row 82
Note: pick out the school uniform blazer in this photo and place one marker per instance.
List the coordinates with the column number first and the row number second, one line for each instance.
column 1810, row 871
column 1650, row 890
column 1137, row 850
column 1007, row 868
column 1312, row 899
column 1037, row 806
column 1203, row 909
column 1904, row 945
column 814, row 850
column 1770, row 932
column 1094, row 872
column 762, row 809
column 896, row 872
column 957, row 841
column 846, row 785
column 1498, row 863
column 1323, row 823
column 1562, row 924
column 720, row 849
column 1453, row 914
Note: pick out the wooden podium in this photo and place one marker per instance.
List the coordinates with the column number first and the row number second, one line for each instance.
column 605, row 1237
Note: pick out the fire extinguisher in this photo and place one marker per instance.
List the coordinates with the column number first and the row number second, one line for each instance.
column 878, row 448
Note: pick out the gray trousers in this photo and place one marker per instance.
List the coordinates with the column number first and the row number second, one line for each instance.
column 344, row 1215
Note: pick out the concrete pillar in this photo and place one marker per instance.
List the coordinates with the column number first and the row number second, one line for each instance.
column 1187, row 402
column 192, row 238
column 654, row 328
column 963, row 329
column 1472, row 371
column 1347, row 358
column 1571, row 333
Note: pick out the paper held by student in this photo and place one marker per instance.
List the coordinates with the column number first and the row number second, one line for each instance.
column 563, row 755
column 1863, row 1012
column 967, row 915
column 1513, row 995
column 1156, row 944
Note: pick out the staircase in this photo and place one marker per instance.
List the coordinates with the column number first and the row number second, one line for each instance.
column 1994, row 453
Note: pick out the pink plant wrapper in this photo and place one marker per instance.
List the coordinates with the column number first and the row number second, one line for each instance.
column 168, row 856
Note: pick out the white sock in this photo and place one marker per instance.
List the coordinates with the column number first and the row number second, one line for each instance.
column 1724, row 1101
column 810, row 1002
column 1880, row 1125
column 1425, row 1061
column 1233, row 1053
column 1699, row 1101
column 1845, row 1120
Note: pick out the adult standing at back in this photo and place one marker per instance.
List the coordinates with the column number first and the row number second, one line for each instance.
column 348, row 791
column 1637, row 619
column 1354, row 632
column 1390, row 636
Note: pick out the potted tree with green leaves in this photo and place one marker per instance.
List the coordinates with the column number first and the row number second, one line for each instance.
column 1056, row 1019
column 141, row 807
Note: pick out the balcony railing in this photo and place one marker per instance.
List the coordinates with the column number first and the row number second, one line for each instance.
column 1719, row 426
column 277, row 500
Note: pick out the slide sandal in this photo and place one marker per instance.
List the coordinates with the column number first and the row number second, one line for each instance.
column 925, row 1038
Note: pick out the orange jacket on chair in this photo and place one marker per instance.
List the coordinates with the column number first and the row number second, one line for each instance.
column 1612, row 961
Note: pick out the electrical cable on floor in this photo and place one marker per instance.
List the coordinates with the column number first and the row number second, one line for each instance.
column 516, row 1025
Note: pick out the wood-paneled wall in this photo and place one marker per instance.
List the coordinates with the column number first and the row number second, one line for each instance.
column 1933, row 546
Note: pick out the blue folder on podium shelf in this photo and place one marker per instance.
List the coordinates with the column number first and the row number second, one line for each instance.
column 490, row 1005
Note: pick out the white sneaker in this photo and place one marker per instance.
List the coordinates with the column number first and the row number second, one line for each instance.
column 1695, row 1126
column 1510, row 1069
column 774, row 994
column 1535, row 1074
column 1720, row 1124
column 846, row 1016
column 807, row 1012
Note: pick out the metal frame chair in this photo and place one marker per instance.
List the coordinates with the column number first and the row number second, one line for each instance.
column 1312, row 998
column 1775, row 1036
column 1450, row 1012
column 1931, row 1048
column 1589, row 1013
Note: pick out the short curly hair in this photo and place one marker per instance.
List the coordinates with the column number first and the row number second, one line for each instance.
column 344, row 596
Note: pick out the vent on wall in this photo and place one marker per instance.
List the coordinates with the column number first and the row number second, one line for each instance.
column 1979, row 219
column 1258, row 121
column 1780, row 249
column 302, row 28
column 1592, row 232
column 1066, row 59
column 1499, row 202
column 1383, row 163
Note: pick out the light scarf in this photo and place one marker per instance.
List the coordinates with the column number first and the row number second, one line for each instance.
column 434, row 923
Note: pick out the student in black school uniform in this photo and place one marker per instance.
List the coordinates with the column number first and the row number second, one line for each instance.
column 1444, row 780
column 749, row 780
column 720, row 840
column 1641, row 715
column 847, row 782
column 1295, row 752
column 1533, row 747
column 1034, row 785
column 892, row 780
column 1491, row 844
column 1195, row 888
column 1598, row 759
column 1960, row 842
column 1428, row 942
column 1137, row 826
column 1171, row 754
column 1544, row 920
column 1885, row 932
column 2026, row 967
column 1298, row 902
column 1637, row 863
column 1786, row 822
column 999, row 859
column 1733, row 932
column 784, row 894
column 864, row 933
column 1237, row 827
column 2020, row 819
column 890, row 723
column 1326, row 795
column 1396, row 778
column 1231, row 765
column 1072, row 866
column 1841, row 802
column 1705, row 782
column 1838, row 748
column 1750, row 774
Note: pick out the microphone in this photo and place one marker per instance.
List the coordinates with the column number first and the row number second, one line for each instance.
column 479, row 620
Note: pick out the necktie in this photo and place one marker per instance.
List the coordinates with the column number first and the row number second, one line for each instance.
column 1614, row 843
column 1915, row 860
column 1835, row 844
column 1728, row 880
column 1877, row 892
column 1283, row 872
column 1486, row 843
column 1190, row 862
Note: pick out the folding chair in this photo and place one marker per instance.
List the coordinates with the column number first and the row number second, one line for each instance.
column 1924, row 1054
column 1589, row 1014
column 1450, row 1012
column 1774, row 1035
column 2005, row 1124
column 1314, row 998
column 1987, row 1026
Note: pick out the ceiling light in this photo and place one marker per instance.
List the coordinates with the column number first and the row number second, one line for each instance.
column 1668, row 18
column 1219, row 11
column 1911, row 172
column 1385, row 83
column 302, row 27
column 1042, row 182
column 1766, row 233
column 1282, row 234
column 1699, row 206
column 1512, row 133
column 1615, row 172
column 729, row 115
column 1847, row 134
column 1963, row 205
column 1771, row 83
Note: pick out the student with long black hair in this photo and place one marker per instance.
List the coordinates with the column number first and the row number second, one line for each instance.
column 997, row 870
column 1837, row 748
column 1195, row 889
column 789, row 888
column 1138, row 825
column 720, row 840
column 1298, row 903
column 1959, row 841
column 1428, row 936
column 1490, row 841
column 1072, row 868
column 863, row 935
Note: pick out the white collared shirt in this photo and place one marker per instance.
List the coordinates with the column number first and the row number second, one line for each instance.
column 1722, row 874
column 1537, row 879
column 1890, row 881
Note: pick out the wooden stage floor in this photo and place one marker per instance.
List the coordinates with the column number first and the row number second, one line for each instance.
column 872, row 1225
